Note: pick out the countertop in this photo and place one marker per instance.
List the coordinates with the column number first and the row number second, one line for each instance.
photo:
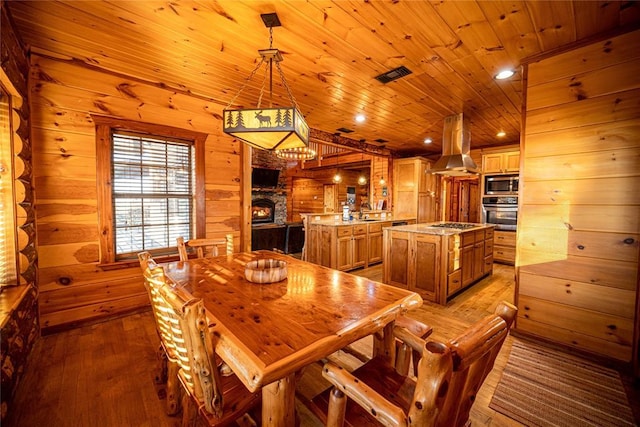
column 427, row 228
column 355, row 221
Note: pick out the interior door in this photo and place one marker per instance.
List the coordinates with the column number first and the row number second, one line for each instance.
column 329, row 198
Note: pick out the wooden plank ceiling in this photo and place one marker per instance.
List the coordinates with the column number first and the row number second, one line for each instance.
column 332, row 50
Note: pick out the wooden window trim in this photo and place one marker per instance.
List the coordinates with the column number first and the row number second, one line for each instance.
column 104, row 127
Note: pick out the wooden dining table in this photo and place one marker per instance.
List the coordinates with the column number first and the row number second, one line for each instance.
column 268, row 332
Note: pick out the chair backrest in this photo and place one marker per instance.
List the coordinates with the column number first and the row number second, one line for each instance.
column 474, row 353
column 188, row 333
column 204, row 247
column 153, row 276
column 449, row 376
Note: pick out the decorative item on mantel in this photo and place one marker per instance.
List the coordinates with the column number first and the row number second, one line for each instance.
column 281, row 128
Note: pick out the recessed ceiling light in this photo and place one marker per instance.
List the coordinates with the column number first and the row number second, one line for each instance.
column 428, row 140
column 501, row 134
column 504, row 74
column 360, row 118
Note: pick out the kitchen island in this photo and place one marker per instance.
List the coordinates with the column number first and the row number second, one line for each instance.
column 346, row 245
column 437, row 260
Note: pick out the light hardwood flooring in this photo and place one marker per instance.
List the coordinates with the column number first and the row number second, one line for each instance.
column 102, row 374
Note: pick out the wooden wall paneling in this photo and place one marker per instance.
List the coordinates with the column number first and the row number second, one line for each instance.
column 604, row 163
column 380, row 167
column 588, row 138
column 61, row 276
column 589, row 296
column 619, row 191
column 595, row 56
column 596, row 244
column 74, row 317
column 602, row 326
column 77, row 296
column 578, row 225
column 67, row 95
column 305, row 197
column 617, row 274
column 585, row 85
column 54, row 126
column 586, row 342
column 604, row 109
column 588, row 217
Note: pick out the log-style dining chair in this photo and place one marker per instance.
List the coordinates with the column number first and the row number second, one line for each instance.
column 449, row 376
column 204, row 247
column 168, row 371
column 209, row 396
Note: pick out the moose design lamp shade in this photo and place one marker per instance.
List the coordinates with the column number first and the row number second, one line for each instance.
column 268, row 128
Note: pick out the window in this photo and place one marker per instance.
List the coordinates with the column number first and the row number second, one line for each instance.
column 8, row 271
column 152, row 192
column 154, row 195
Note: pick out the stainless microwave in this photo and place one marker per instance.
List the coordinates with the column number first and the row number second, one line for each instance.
column 497, row 185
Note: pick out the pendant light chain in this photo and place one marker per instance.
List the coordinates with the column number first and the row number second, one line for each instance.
column 264, row 82
column 244, row 85
column 286, row 86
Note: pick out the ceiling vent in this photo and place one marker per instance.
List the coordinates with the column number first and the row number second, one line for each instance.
column 394, row 74
column 344, row 130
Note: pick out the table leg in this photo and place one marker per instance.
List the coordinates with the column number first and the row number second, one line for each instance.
column 278, row 403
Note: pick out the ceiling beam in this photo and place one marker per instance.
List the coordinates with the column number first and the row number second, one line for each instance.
column 328, row 138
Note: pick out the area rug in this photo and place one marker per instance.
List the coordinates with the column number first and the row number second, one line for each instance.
column 545, row 387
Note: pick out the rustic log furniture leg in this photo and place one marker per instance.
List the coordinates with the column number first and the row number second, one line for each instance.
column 384, row 344
column 174, row 389
column 278, row 403
column 337, row 408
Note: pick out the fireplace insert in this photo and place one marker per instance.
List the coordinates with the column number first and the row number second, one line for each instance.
column 262, row 211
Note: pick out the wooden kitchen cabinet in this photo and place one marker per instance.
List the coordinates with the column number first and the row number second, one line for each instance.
column 351, row 247
column 374, row 240
column 436, row 266
column 415, row 190
column 472, row 261
column 345, row 246
column 414, row 262
column 504, row 247
column 501, row 162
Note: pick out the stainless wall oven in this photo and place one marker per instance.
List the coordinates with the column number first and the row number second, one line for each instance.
column 501, row 211
column 496, row 185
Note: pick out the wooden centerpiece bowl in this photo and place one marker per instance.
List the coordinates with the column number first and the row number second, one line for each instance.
column 265, row 271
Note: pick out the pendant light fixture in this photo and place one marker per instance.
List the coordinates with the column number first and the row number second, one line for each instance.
column 337, row 178
column 281, row 128
column 362, row 180
column 297, row 153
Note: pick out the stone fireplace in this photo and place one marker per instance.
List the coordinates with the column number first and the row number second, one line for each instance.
column 269, row 204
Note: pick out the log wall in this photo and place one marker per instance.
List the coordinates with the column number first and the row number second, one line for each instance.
column 18, row 305
column 579, row 217
column 73, row 286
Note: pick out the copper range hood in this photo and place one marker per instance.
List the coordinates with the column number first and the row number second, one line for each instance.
column 456, row 144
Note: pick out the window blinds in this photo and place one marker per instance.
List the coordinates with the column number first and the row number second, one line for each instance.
column 153, row 187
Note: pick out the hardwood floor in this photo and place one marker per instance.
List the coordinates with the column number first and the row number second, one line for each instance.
column 103, row 374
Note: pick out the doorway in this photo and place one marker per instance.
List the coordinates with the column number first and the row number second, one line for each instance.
column 464, row 200
column 329, row 198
